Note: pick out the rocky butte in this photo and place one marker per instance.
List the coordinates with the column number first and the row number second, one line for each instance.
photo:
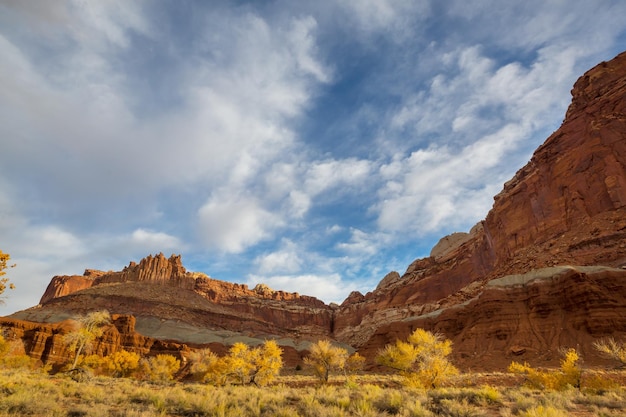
column 544, row 270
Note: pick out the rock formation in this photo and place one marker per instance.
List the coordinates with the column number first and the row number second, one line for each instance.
column 165, row 302
column 44, row 341
column 526, row 317
column 542, row 271
column 157, row 269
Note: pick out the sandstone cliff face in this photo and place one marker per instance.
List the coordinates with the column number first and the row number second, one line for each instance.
column 44, row 341
column 161, row 287
column 527, row 317
column 500, row 292
column 157, row 269
column 577, row 175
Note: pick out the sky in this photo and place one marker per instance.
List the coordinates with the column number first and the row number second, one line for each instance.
column 312, row 146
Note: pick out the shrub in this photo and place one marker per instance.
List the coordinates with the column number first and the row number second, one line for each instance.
column 208, row 367
column 391, row 403
column 122, row 363
column 5, row 346
column 354, row 364
column 239, row 363
column 94, row 362
column 570, row 368
column 19, row 361
column 543, row 411
column 11, row 356
column 612, row 349
column 489, row 394
column 325, row 358
column 599, row 383
column 458, row 409
column 160, row 368
column 422, row 359
column 569, row 373
column 4, row 281
column 258, row 365
column 202, row 361
column 267, row 363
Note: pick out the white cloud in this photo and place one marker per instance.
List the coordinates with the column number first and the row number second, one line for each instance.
column 304, row 45
column 151, row 241
column 300, row 203
column 482, row 113
column 361, row 243
column 328, row 288
column 533, row 24
column 285, row 260
column 234, row 224
column 437, row 187
column 237, row 105
column 324, row 175
column 395, row 17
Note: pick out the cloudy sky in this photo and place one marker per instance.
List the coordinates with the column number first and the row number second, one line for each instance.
column 313, row 146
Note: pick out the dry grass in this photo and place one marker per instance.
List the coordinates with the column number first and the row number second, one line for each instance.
column 32, row 393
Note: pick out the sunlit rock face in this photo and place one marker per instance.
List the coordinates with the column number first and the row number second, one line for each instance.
column 504, row 290
column 526, row 317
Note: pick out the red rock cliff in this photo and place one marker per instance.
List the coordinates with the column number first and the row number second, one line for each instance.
column 156, row 269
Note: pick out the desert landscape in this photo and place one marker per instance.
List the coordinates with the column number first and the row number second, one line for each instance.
column 328, row 208
column 527, row 312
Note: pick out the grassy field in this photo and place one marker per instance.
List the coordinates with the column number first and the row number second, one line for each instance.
column 33, row 393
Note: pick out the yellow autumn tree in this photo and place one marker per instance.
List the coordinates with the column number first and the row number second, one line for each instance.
column 4, row 281
column 240, row 362
column 122, row 364
column 422, row 359
column 89, row 328
column 209, row 367
column 268, row 361
column 354, row 364
column 259, row 365
column 160, row 368
column 324, row 358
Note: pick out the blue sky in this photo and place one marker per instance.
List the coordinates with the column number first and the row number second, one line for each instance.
column 312, row 146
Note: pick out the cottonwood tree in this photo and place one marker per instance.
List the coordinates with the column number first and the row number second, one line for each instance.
column 90, row 327
column 422, row 359
column 257, row 366
column 239, row 363
column 4, row 281
column 209, row 367
column 325, row 358
column 267, row 362
column 244, row 364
